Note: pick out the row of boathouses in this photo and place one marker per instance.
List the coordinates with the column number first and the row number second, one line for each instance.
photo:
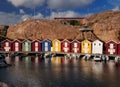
column 74, row 46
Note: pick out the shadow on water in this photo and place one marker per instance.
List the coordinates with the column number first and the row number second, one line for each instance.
column 60, row 72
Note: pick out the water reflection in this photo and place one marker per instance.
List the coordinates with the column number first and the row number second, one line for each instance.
column 60, row 72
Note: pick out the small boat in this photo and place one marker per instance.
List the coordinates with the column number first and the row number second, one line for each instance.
column 97, row 58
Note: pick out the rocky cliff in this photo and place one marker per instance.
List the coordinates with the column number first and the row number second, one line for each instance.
column 105, row 25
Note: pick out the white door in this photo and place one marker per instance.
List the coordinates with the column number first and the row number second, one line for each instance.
column 46, row 46
column 7, row 47
column 16, row 46
column 26, row 46
column 36, row 46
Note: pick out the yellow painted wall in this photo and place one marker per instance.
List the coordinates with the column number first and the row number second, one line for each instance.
column 56, row 45
column 86, row 46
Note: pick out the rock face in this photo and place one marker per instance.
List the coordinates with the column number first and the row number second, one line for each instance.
column 105, row 25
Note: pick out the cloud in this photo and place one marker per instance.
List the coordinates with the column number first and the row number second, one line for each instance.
column 116, row 8
column 64, row 14
column 61, row 4
column 22, row 11
column 12, row 18
column 27, row 3
column 114, row 2
column 9, row 18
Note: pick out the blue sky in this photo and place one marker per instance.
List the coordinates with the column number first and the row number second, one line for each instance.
column 14, row 11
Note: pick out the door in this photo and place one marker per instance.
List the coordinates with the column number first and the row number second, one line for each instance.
column 16, row 46
column 36, row 46
column 26, row 46
column 46, row 46
column 7, row 47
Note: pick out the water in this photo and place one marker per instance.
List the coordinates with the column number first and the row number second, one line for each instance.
column 54, row 73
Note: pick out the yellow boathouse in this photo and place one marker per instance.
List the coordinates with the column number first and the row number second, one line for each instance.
column 56, row 45
column 86, row 46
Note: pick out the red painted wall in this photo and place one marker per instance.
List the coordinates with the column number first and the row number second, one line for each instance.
column 39, row 46
column 108, row 47
column 78, row 46
column 63, row 46
column 3, row 44
column 19, row 43
column 119, row 48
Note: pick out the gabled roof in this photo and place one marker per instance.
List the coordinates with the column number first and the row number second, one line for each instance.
column 26, row 40
column 47, row 40
column 97, row 41
column 36, row 40
column 75, row 40
column 111, row 41
column 6, row 40
column 56, row 40
column 65, row 40
column 19, row 40
column 86, row 40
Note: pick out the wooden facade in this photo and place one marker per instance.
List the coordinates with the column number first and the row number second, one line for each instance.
column 65, row 46
column 86, row 46
column 26, row 45
column 111, row 47
column 56, row 45
column 75, row 46
column 6, row 45
column 97, row 47
column 16, row 45
column 118, row 50
column 46, row 45
column 36, row 45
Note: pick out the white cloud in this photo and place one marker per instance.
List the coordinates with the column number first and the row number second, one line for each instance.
column 61, row 4
column 114, row 2
column 12, row 18
column 22, row 11
column 27, row 3
column 9, row 18
column 116, row 8
column 64, row 14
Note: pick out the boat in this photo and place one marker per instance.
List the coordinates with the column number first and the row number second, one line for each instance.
column 97, row 58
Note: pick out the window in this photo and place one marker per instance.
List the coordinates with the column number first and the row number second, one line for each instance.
column 94, row 44
column 7, row 44
column 46, row 44
column 99, row 44
column 75, row 44
column 65, row 44
column 36, row 43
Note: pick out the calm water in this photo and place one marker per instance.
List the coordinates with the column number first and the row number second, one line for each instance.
column 54, row 73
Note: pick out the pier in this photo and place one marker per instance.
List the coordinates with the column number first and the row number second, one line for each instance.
column 62, row 54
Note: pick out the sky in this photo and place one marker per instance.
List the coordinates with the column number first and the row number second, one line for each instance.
column 15, row 11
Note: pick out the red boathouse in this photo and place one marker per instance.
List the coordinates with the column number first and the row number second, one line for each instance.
column 65, row 46
column 6, row 45
column 36, row 45
column 111, row 47
column 17, row 45
column 75, row 46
